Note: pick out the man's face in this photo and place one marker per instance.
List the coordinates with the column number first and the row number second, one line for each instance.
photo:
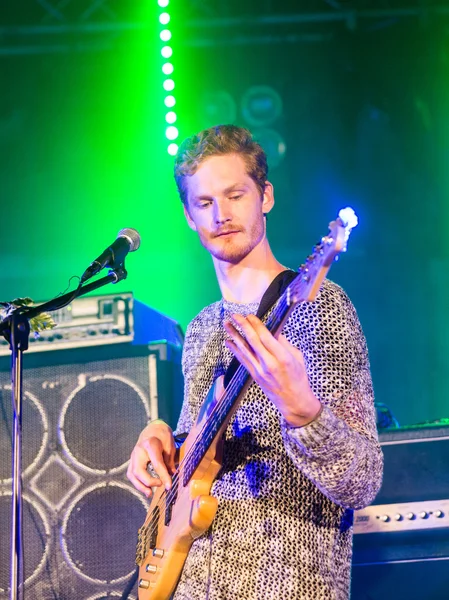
column 225, row 207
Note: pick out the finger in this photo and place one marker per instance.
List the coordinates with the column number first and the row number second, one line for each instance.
column 268, row 340
column 169, row 451
column 291, row 349
column 260, row 339
column 244, row 354
column 138, row 469
column 153, row 446
column 254, row 348
column 141, row 479
column 169, row 459
column 239, row 341
column 138, row 485
column 242, row 358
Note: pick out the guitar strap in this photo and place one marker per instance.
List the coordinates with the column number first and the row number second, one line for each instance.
column 271, row 295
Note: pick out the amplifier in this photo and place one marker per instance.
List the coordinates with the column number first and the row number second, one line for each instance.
column 104, row 319
column 401, row 541
column 415, row 489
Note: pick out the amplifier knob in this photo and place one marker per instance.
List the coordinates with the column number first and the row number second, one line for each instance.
column 385, row 518
column 410, row 516
column 439, row 514
column 423, row 514
column 398, row 517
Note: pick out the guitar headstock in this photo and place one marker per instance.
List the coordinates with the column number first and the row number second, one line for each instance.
column 312, row 273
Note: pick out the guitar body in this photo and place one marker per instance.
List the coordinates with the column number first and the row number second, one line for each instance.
column 191, row 515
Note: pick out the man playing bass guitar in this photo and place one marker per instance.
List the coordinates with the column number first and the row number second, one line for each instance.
column 301, row 450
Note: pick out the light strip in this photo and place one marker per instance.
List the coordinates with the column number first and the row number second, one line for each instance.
column 168, row 82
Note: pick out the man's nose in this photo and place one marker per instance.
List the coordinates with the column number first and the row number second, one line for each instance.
column 221, row 213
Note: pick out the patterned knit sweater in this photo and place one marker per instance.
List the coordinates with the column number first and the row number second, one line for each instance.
column 286, row 495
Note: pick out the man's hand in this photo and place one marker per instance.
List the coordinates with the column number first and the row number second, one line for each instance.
column 156, row 446
column 277, row 366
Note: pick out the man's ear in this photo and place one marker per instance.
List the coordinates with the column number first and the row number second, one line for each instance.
column 189, row 218
column 268, row 198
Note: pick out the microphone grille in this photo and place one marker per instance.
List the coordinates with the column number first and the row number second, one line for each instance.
column 133, row 237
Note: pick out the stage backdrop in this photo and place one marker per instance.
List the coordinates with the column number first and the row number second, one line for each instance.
column 351, row 116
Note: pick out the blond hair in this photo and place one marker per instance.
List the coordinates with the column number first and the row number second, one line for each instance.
column 216, row 141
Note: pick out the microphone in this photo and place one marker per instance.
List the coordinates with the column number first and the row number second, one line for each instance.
column 127, row 240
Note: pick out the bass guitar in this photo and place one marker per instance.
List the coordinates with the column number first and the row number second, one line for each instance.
column 178, row 516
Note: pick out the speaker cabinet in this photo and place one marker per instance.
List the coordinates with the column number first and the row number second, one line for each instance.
column 83, row 410
column 408, row 554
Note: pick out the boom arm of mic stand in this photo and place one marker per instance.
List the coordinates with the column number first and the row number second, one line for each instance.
column 114, row 276
column 61, row 301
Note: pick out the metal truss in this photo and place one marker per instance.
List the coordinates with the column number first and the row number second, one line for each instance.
column 49, row 26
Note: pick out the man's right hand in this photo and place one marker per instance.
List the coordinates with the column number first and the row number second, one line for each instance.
column 156, row 446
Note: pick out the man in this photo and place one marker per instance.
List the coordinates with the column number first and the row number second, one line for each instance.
column 301, row 451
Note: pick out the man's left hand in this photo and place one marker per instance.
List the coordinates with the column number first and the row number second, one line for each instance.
column 277, row 366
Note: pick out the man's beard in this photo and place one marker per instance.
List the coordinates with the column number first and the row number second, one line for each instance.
column 234, row 251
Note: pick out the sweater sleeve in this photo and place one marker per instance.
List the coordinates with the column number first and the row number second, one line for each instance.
column 339, row 451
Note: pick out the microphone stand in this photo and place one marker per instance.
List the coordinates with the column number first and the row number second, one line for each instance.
column 16, row 329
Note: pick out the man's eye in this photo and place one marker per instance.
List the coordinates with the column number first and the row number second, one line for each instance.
column 204, row 204
column 236, row 196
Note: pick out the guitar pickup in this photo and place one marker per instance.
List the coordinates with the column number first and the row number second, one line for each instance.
column 168, row 513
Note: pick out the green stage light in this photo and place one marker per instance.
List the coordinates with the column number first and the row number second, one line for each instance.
column 172, row 132
column 171, row 117
column 167, row 68
column 167, row 51
column 173, row 149
column 164, row 18
column 165, row 35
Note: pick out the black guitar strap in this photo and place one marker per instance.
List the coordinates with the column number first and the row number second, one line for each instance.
column 271, row 295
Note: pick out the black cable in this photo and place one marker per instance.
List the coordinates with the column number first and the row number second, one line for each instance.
column 129, row 587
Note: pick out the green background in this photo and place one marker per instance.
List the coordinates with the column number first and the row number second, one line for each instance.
column 365, row 122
